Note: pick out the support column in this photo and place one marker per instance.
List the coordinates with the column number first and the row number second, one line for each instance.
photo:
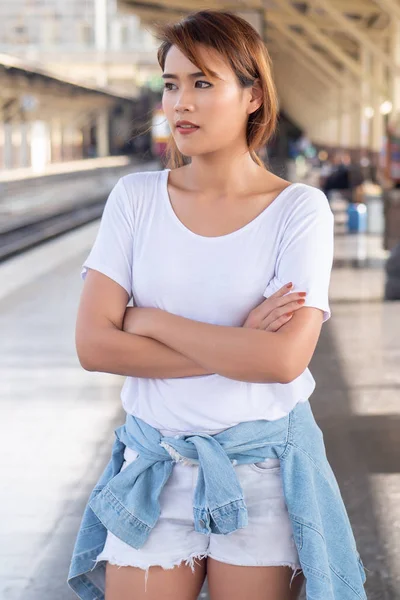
column 67, row 142
column 40, row 145
column 376, row 139
column 365, row 93
column 102, row 133
column 8, row 145
column 392, row 196
column 24, row 154
column 338, row 118
column 344, row 105
column 78, row 142
column 101, row 40
column 356, row 127
column 56, row 140
column 1, row 143
column 86, row 141
column 395, row 79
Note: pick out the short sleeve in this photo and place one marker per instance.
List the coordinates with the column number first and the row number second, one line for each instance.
column 112, row 251
column 305, row 254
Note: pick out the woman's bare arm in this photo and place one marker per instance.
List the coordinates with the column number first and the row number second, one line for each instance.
column 235, row 352
column 103, row 346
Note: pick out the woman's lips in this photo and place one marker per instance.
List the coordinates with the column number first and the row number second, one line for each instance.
column 186, row 130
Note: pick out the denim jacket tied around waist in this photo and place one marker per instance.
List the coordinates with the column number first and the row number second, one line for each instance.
column 127, row 502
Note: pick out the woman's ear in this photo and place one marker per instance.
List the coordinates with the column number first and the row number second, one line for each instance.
column 256, row 97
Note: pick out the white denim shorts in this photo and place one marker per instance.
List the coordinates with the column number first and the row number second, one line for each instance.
column 267, row 540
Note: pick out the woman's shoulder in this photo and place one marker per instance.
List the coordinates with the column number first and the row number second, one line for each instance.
column 141, row 189
column 301, row 195
column 305, row 190
column 304, row 208
column 306, row 199
column 141, row 179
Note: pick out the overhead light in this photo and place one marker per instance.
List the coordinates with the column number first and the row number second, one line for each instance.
column 323, row 155
column 386, row 107
column 369, row 112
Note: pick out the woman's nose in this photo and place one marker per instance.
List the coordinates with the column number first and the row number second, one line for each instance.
column 184, row 101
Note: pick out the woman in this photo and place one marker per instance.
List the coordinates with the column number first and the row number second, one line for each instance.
column 219, row 440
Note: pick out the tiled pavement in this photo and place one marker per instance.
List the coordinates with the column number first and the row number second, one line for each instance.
column 57, row 421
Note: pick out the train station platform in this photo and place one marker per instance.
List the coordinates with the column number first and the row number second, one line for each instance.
column 39, row 206
column 58, row 420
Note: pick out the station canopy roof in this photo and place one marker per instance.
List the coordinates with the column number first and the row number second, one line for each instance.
column 319, row 46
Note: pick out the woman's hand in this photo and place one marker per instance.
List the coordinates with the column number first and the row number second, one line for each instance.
column 275, row 311
column 138, row 320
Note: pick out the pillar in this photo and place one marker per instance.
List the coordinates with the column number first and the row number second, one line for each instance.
column 376, row 139
column 56, row 133
column 102, row 133
column 365, row 95
column 395, row 78
column 24, row 151
column 8, row 145
column 344, row 110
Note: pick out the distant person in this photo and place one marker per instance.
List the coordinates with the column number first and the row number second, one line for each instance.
column 220, row 468
column 344, row 176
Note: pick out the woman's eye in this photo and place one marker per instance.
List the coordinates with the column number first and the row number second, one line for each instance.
column 167, row 86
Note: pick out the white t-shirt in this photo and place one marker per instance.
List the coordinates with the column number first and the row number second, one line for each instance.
column 143, row 246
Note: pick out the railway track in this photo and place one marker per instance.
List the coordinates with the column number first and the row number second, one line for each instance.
column 26, row 236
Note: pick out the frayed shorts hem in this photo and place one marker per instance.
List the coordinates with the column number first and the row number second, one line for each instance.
column 170, row 564
column 191, row 560
column 258, row 564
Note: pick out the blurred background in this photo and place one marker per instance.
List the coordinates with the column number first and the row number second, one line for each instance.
column 80, row 94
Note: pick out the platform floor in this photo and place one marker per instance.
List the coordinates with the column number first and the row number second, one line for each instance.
column 57, row 422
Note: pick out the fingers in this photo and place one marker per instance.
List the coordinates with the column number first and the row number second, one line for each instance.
column 274, row 307
column 279, row 314
column 282, row 291
column 279, row 303
column 282, row 296
column 289, row 306
column 278, row 323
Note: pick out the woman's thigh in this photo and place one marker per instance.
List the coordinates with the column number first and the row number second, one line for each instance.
column 179, row 583
column 232, row 582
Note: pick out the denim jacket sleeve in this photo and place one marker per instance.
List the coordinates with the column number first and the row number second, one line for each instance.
column 321, row 528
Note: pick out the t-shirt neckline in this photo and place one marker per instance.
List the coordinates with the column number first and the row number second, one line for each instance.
column 246, row 227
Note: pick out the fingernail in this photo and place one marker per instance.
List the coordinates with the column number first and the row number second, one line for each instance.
column 289, row 314
column 300, row 301
column 289, row 285
column 302, row 293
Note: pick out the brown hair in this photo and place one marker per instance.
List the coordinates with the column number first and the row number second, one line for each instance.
column 242, row 47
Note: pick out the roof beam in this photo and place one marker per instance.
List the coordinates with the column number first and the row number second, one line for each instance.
column 307, row 63
column 181, row 6
column 323, row 39
column 284, row 49
column 160, row 5
column 298, row 107
column 362, row 7
column 390, row 7
column 311, row 91
column 352, row 65
column 319, row 21
column 326, row 97
column 296, row 39
column 355, row 32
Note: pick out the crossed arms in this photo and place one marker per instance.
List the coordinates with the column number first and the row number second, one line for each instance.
column 165, row 345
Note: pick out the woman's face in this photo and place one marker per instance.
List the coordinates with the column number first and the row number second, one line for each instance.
column 219, row 107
